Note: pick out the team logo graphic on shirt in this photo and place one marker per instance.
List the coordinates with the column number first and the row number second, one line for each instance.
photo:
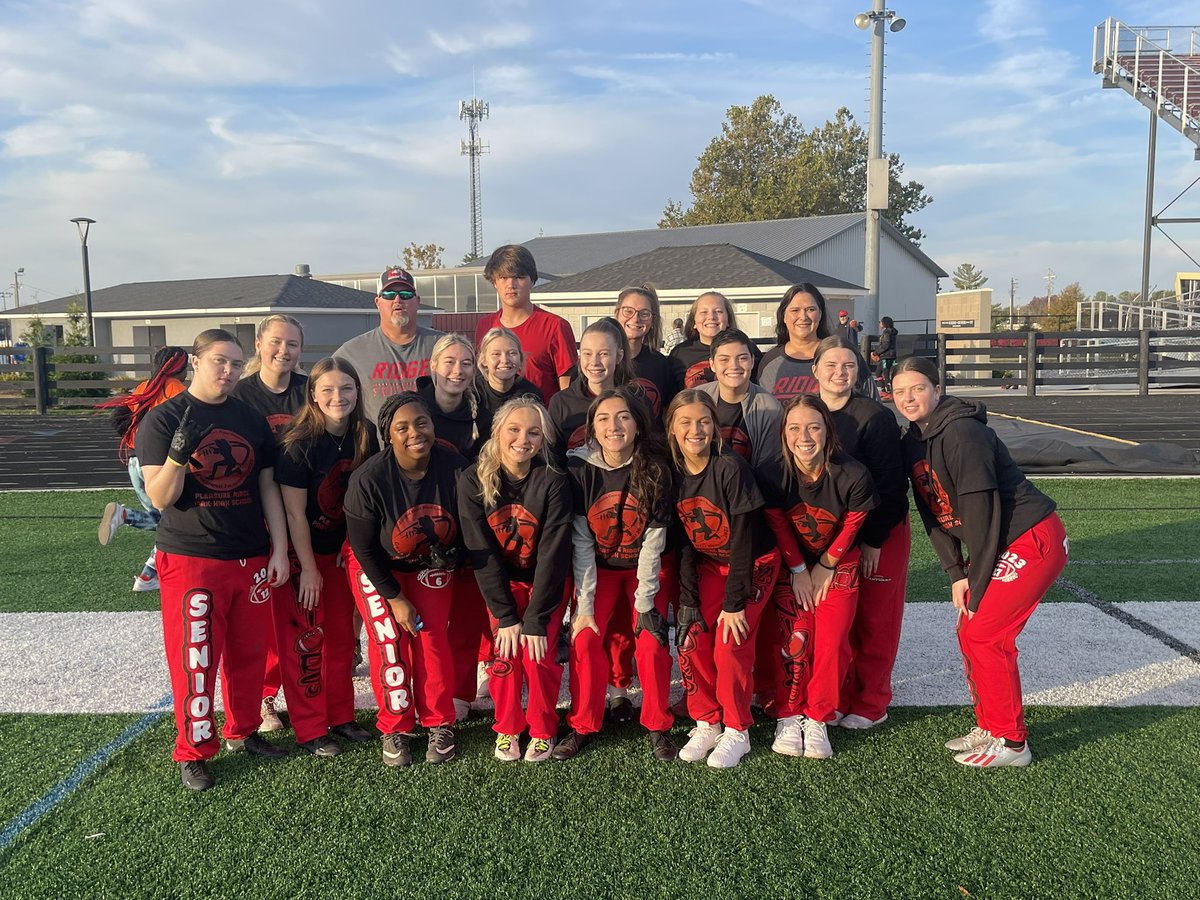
column 926, row 482
column 653, row 396
column 516, row 530
column 434, row 578
column 420, row 528
column 578, row 437
column 789, row 386
column 331, row 495
column 705, row 525
column 278, row 422
column 225, row 458
column 1008, row 567
column 698, row 374
column 813, row 525
column 618, row 523
column 737, row 440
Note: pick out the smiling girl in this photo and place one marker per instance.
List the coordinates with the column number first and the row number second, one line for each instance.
column 459, row 419
column 710, row 314
column 639, row 313
column 501, row 362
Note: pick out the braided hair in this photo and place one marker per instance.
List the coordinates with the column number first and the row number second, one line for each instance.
column 169, row 364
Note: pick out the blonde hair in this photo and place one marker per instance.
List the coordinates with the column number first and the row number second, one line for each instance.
column 494, row 334
column 254, row 364
column 487, row 469
column 444, row 343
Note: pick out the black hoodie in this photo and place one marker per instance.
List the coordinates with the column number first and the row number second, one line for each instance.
column 969, row 491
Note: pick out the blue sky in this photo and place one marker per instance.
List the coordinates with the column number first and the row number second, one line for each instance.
column 224, row 138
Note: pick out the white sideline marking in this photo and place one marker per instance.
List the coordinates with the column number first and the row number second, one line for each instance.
column 1133, row 562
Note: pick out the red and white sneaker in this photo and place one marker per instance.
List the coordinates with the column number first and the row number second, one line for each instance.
column 974, row 739
column 994, row 755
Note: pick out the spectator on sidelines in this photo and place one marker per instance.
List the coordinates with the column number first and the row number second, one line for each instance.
column 885, row 351
column 674, row 338
column 847, row 328
column 390, row 358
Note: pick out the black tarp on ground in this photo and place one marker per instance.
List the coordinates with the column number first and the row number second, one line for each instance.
column 1043, row 449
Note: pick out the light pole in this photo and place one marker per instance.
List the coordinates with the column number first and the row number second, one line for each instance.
column 877, row 166
column 17, row 287
column 83, row 224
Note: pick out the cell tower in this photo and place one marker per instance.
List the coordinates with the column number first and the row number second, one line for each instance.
column 473, row 110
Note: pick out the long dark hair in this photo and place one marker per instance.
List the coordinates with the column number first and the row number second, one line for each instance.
column 309, row 424
column 169, row 363
column 649, row 474
column 653, row 338
column 782, row 335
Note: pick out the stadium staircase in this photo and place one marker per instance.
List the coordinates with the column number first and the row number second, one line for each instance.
column 1159, row 66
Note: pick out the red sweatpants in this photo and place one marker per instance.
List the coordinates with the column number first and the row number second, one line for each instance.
column 317, row 658
column 618, row 642
column 508, row 676
column 215, row 612
column 718, row 674
column 470, row 634
column 407, row 670
column 272, row 676
column 589, row 666
column 875, row 634
column 815, row 652
column 1023, row 574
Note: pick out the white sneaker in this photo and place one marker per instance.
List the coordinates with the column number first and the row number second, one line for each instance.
column 816, row 740
column 856, row 722
column 972, row 740
column 539, row 750
column 701, row 739
column 789, row 736
column 145, row 581
column 482, row 682
column 270, row 717
column 731, row 746
column 114, row 515
column 995, row 754
column 462, row 709
column 508, row 747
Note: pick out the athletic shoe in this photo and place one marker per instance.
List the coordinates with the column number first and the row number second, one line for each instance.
column 483, row 682
column 352, row 731
column 195, row 775
column 462, row 709
column 789, row 736
column 569, row 747
column 856, row 722
column 731, row 746
column 816, row 740
column 255, row 745
column 441, row 745
column 539, row 750
column 396, row 751
column 701, row 739
column 508, row 747
column 972, row 740
column 837, row 718
column 114, row 515
column 620, row 710
column 270, row 718
column 146, row 580
column 322, row 746
column 663, row 747
column 995, row 754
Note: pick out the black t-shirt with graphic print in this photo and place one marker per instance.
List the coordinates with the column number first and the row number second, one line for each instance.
column 616, row 517
column 277, row 409
column 322, row 467
column 817, row 510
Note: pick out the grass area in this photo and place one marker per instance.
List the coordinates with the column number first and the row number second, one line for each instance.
column 1101, row 814
column 50, row 539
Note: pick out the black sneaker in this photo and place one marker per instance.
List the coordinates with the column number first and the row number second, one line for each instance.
column 396, row 751
column 352, row 731
column 441, row 745
column 195, row 775
column 569, row 747
column 322, row 746
column 620, row 710
column 257, row 745
column 663, row 747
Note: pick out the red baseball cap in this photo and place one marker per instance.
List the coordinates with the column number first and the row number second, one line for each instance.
column 396, row 279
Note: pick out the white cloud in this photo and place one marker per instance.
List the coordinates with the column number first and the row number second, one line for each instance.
column 118, row 161
column 494, row 37
column 1007, row 20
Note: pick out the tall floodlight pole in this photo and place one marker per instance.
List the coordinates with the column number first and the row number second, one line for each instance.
column 473, row 111
column 83, row 224
column 878, row 20
column 17, row 287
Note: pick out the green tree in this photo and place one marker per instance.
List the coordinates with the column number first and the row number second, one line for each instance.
column 968, row 278
column 1061, row 310
column 423, row 256
column 76, row 335
column 36, row 334
column 765, row 165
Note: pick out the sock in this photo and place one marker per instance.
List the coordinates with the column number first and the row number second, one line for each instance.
column 1014, row 745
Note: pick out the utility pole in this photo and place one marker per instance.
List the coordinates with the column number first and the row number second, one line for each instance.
column 1012, row 308
column 1049, row 277
column 473, row 111
column 17, row 286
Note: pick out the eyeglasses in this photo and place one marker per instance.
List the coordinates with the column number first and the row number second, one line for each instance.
column 392, row 295
column 628, row 312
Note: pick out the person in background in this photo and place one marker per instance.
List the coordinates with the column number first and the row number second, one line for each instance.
column 165, row 381
column 846, row 327
column 674, row 338
column 500, row 363
column 885, row 351
column 546, row 339
column 391, row 357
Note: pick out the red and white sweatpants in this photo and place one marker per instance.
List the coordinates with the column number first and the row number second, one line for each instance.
column 988, row 640
column 317, row 651
column 214, row 612
column 590, row 665
column 409, row 675
column 507, row 677
column 718, row 674
column 875, row 634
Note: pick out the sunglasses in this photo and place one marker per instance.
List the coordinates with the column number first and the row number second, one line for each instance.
column 392, row 295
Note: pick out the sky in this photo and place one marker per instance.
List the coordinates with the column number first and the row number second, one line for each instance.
column 217, row 138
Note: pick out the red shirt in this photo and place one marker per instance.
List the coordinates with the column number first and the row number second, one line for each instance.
column 549, row 346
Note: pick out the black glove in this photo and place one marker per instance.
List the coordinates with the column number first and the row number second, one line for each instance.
column 186, row 439
column 687, row 618
column 652, row 622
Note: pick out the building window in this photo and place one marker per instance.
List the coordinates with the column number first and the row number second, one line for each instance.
column 244, row 334
column 149, row 336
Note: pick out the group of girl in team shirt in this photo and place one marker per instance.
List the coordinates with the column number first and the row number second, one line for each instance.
column 769, row 520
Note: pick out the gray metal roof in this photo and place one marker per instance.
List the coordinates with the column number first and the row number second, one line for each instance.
column 779, row 238
column 701, row 267
column 250, row 291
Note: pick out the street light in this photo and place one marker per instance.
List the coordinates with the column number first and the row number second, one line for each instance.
column 877, row 166
column 82, row 223
column 17, row 287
